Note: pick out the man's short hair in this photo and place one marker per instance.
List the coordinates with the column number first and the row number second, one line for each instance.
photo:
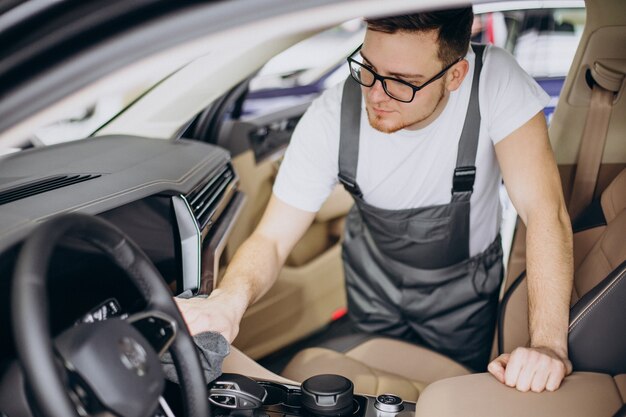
column 454, row 28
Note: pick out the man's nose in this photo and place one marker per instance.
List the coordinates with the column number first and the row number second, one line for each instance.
column 377, row 93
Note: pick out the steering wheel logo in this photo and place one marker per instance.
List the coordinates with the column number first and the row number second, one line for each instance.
column 133, row 356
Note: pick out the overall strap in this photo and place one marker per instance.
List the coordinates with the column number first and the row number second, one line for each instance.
column 465, row 171
column 349, row 136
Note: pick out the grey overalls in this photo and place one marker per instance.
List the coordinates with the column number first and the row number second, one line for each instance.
column 408, row 272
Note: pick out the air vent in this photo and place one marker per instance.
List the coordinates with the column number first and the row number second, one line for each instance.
column 209, row 200
column 42, row 186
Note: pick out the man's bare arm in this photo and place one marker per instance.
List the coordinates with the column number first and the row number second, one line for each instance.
column 251, row 273
column 532, row 180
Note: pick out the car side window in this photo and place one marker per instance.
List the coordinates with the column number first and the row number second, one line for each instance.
column 547, row 39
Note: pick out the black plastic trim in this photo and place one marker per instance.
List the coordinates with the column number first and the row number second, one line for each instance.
column 205, row 201
column 597, row 341
column 38, row 187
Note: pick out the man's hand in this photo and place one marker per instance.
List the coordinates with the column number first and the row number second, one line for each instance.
column 219, row 313
column 535, row 369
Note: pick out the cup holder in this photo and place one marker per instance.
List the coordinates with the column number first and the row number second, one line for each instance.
column 278, row 395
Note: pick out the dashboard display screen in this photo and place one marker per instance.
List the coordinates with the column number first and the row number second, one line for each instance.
column 108, row 309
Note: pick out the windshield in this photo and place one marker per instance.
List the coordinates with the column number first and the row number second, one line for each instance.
column 81, row 121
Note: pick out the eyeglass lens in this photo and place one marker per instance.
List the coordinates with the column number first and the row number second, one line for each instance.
column 393, row 88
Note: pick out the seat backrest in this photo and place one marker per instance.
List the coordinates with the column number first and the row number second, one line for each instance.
column 598, row 251
column 609, row 251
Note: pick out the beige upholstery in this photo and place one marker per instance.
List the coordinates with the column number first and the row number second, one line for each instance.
column 325, row 231
column 584, row 242
column 606, row 255
column 310, row 287
column 582, row 394
column 315, row 241
column 239, row 363
column 620, row 381
column 614, row 197
column 597, row 252
column 300, row 302
column 384, row 365
column 337, row 205
column 378, row 366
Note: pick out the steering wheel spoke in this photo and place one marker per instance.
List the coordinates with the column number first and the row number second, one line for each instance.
column 158, row 328
column 82, row 396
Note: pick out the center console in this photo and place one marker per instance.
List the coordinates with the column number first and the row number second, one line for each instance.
column 234, row 395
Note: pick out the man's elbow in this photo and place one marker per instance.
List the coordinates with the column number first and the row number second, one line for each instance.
column 551, row 216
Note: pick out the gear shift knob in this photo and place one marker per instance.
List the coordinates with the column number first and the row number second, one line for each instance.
column 328, row 395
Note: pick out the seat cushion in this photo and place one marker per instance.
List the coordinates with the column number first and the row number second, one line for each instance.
column 378, row 366
column 582, row 394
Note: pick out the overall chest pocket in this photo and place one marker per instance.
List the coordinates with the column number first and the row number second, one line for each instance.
column 414, row 228
column 428, row 230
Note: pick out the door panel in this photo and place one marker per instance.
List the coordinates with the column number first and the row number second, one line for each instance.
column 301, row 302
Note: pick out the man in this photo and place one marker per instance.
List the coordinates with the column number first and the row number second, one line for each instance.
column 422, row 254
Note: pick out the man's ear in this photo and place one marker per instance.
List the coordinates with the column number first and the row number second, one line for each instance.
column 456, row 75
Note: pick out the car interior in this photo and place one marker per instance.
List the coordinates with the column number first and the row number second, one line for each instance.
column 174, row 184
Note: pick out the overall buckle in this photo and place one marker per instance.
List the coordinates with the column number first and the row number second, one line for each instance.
column 463, row 180
column 350, row 186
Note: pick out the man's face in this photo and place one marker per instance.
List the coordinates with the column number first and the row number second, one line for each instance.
column 410, row 57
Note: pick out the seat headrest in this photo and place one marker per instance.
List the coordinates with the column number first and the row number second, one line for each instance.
column 613, row 199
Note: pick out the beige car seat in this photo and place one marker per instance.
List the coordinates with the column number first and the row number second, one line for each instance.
column 382, row 365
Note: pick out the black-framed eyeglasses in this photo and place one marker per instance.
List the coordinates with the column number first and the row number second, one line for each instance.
column 395, row 88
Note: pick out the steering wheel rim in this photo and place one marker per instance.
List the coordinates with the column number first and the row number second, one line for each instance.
column 30, row 311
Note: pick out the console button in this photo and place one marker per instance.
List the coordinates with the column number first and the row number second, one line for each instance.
column 236, row 392
column 389, row 403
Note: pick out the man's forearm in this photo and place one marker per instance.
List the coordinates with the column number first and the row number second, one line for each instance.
column 250, row 274
column 550, row 279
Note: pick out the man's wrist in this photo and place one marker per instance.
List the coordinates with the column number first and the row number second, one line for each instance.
column 559, row 353
column 558, row 350
column 237, row 300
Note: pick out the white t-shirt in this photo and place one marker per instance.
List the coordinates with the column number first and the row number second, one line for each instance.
column 409, row 169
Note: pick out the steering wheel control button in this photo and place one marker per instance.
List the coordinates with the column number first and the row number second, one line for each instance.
column 236, row 392
column 328, row 395
column 158, row 329
column 389, row 403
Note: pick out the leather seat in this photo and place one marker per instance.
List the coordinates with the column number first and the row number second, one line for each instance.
column 382, row 365
column 377, row 366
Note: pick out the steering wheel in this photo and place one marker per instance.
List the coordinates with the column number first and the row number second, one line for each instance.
column 107, row 366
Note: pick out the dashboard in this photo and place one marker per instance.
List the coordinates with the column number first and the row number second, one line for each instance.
column 178, row 200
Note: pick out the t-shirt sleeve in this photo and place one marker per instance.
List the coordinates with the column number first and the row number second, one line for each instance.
column 308, row 172
column 510, row 96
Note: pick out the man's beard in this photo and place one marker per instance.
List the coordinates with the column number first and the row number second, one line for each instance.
column 382, row 124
